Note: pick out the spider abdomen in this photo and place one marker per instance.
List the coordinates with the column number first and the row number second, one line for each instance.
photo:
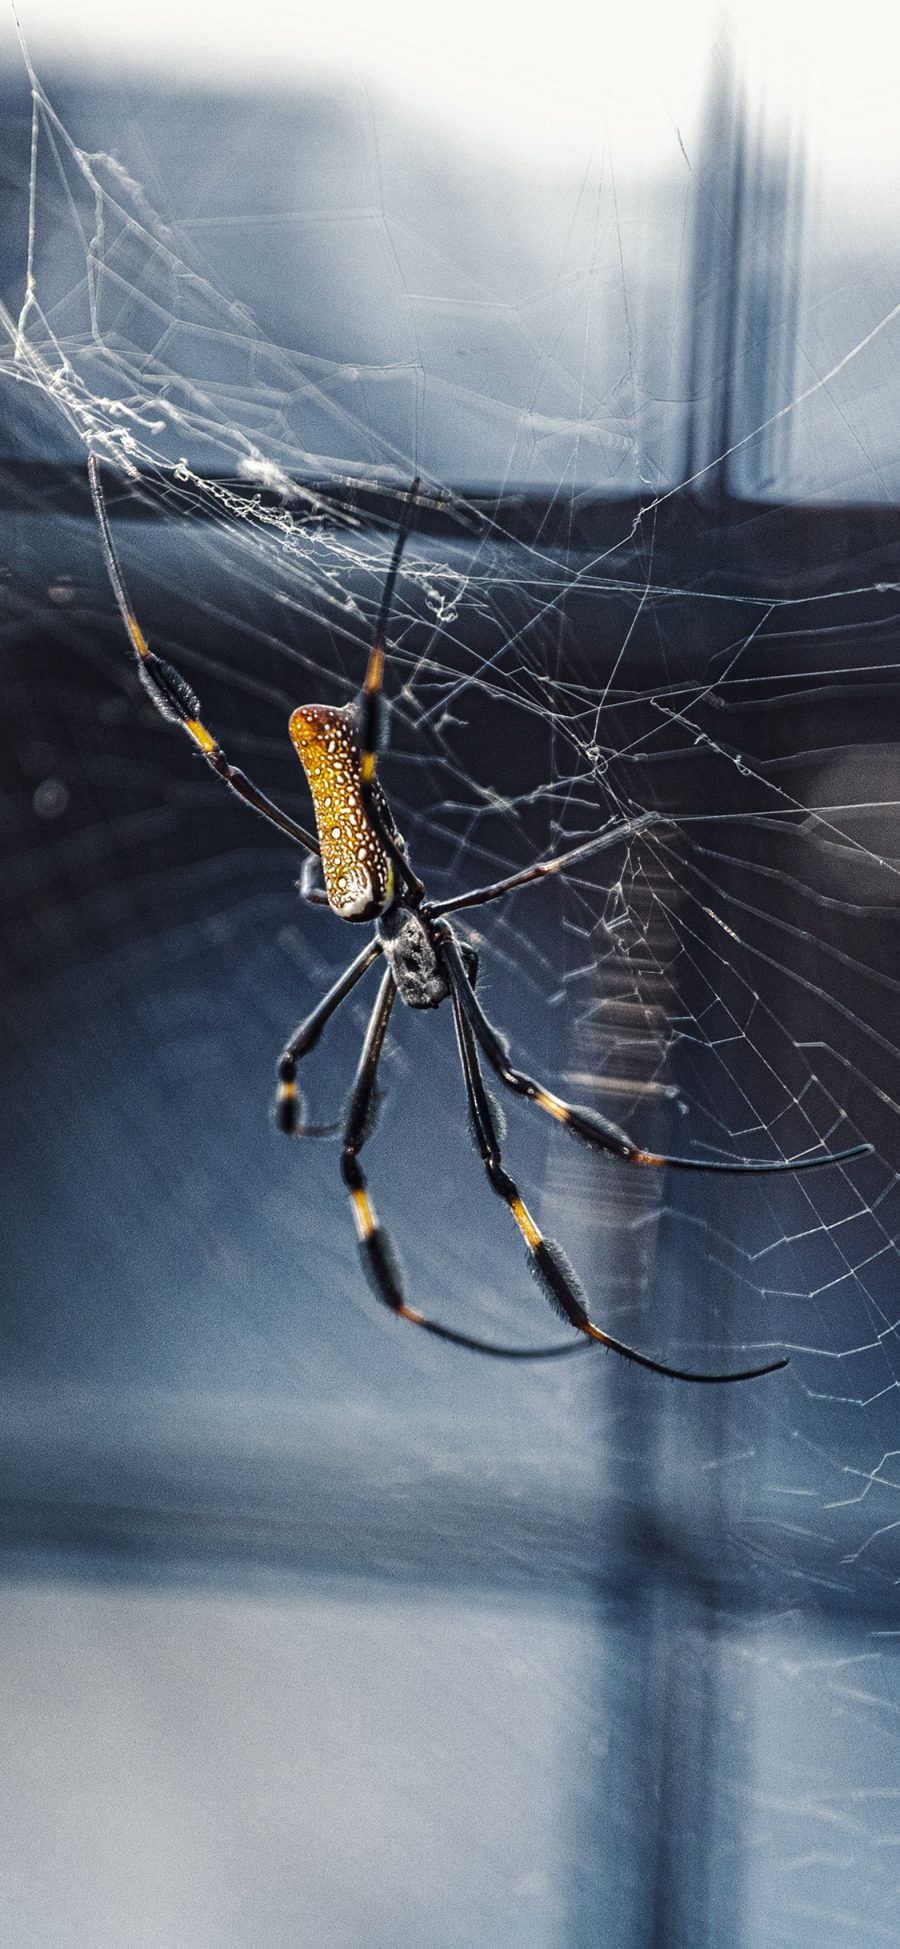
column 358, row 871
column 410, row 948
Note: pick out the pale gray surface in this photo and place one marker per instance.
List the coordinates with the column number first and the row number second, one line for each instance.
column 226, row 1768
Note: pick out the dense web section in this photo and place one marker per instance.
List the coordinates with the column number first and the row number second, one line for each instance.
column 611, row 604
column 707, row 921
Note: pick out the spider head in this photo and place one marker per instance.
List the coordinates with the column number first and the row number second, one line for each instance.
column 358, row 873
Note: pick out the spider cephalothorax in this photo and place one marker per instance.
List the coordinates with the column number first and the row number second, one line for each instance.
column 412, row 951
column 368, row 877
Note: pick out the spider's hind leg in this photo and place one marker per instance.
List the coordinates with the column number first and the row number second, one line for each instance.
column 172, row 694
column 371, row 720
column 309, row 884
column 370, row 706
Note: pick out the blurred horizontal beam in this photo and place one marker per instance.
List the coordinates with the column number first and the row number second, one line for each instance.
column 774, row 537
column 325, row 1504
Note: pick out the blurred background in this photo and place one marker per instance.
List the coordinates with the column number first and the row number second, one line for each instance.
column 313, row 1629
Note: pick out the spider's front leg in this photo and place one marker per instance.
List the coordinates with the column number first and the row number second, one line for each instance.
column 288, row 1103
column 548, row 1260
column 378, row 1256
column 375, row 1246
column 599, row 1131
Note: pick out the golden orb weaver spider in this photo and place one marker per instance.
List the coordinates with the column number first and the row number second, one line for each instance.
column 368, row 877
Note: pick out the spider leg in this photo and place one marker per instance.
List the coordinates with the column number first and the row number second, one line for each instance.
column 597, row 1130
column 370, row 718
column 378, row 1257
column 548, row 1261
column 287, row 1101
column 310, row 891
column 478, row 897
column 174, row 697
column 370, row 706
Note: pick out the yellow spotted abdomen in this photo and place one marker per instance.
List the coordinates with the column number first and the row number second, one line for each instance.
column 358, row 873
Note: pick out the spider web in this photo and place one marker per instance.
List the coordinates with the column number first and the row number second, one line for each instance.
column 653, row 571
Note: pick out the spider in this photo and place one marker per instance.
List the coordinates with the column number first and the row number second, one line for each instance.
column 368, row 877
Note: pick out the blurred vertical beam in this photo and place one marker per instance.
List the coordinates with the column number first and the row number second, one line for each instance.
column 619, row 1055
column 743, row 297
column 740, row 333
